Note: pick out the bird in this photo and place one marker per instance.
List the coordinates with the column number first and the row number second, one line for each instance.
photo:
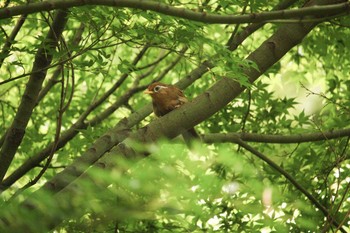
column 166, row 98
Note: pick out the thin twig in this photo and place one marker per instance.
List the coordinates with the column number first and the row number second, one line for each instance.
column 296, row 184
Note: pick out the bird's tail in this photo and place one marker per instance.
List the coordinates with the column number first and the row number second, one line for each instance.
column 189, row 136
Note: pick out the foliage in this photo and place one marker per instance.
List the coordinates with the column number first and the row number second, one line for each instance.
column 107, row 56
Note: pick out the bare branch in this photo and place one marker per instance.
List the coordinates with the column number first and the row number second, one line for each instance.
column 314, row 11
column 281, row 139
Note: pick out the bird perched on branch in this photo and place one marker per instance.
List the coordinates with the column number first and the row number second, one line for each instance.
column 166, row 98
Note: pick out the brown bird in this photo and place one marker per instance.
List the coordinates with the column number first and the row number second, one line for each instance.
column 166, row 98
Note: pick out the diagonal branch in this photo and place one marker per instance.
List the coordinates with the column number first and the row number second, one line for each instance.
column 42, row 59
column 291, row 180
column 9, row 41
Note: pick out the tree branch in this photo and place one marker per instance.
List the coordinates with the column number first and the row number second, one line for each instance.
column 53, row 80
column 281, row 139
column 291, row 180
column 315, row 11
column 236, row 39
column 43, row 58
column 9, row 41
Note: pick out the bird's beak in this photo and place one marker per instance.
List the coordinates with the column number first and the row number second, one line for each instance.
column 148, row 92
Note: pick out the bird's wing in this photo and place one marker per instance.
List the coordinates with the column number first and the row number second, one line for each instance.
column 181, row 98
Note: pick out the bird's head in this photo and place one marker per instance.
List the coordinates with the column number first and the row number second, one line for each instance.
column 157, row 89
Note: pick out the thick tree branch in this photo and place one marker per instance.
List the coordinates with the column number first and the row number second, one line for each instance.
column 282, row 139
column 43, row 58
column 315, row 11
column 6, row 51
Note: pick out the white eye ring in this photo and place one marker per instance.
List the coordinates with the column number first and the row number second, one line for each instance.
column 157, row 88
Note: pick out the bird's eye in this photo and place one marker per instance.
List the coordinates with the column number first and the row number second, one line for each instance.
column 157, row 88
